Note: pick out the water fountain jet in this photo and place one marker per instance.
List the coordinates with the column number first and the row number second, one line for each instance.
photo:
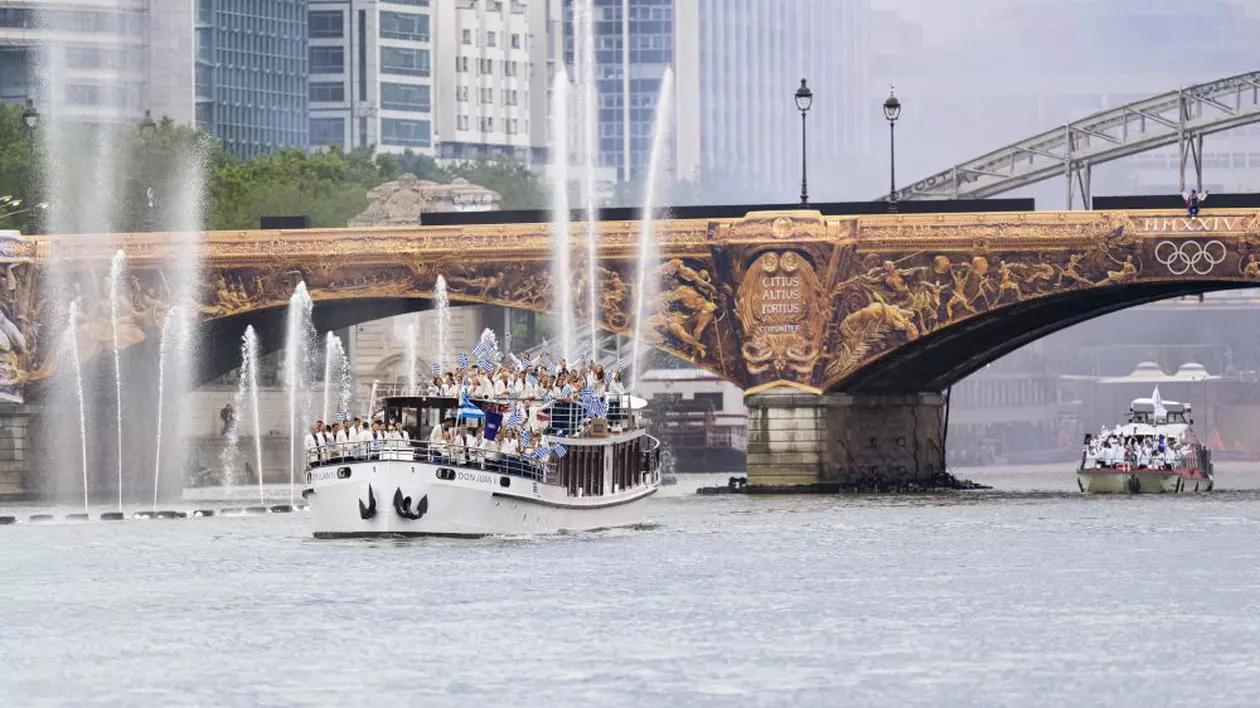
column 562, row 246
column 72, row 338
column 647, row 232
column 299, row 343
column 117, row 277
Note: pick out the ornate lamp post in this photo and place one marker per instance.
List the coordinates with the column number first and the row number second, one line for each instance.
column 804, row 99
column 147, row 127
column 892, row 111
column 30, row 117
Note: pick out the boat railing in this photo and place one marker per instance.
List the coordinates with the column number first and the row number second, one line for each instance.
column 514, row 464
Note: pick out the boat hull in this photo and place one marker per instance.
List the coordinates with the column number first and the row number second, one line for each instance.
column 414, row 498
column 1122, row 481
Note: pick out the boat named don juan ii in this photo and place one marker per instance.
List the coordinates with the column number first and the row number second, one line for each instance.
column 592, row 473
column 1156, row 451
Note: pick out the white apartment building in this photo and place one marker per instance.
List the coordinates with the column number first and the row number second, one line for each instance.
column 454, row 79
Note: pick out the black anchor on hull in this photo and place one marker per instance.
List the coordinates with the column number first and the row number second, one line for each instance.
column 402, row 505
column 369, row 511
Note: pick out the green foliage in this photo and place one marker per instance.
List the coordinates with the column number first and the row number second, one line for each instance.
column 330, row 186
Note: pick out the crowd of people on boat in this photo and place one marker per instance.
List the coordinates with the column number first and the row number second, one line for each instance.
column 1112, row 450
column 516, row 399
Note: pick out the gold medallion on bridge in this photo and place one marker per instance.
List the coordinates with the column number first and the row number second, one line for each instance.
column 780, row 310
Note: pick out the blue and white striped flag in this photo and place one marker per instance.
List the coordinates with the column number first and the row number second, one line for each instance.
column 516, row 417
column 586, row 392
column 525, row 438
column 566, row 391
column 560, row 450
column 531, row 380
column 542, row 453
column 608, row 378
column 485, row 364
column 483, row 350
column 437, row 369
column 463, row 361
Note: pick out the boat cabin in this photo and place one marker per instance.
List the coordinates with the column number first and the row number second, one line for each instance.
column 1142, row 411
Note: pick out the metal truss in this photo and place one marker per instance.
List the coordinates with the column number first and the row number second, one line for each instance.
column 1181, row 117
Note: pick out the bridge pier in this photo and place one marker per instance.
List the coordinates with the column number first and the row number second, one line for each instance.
column 16, row 441
column 806, row 442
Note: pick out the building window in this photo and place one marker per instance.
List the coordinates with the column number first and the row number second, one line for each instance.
column 327, row 131
column 516, row 41
column 467, row 34
column 509, row 97
column 408, row 62
column 509, row 68
column 511, row 126
column 405, row 97
column 461, row 94
column 490, row 41
column 407, row 133
column 325, row 24
column 327, row 91
column 461, row 64
column 402, row 25
column 326, row 60
column 461, row 122
column 487, row 95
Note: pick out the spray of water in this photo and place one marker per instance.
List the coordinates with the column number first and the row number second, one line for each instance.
column 562, row 246
column 249, row 377
column 372, row 401
column 444, row 322
column 345, row 380
column 585, row 31
column 409, row 359
column 647, row 226
column 72, row 338
column 299, row 343
column 334, row 353
column 117, row 280
column 171, row 331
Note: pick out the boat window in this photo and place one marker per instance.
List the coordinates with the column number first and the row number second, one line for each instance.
column 446, row 473
column 505, row 481
column 343, row 473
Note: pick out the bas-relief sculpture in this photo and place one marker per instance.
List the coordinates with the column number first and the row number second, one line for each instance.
column 769, row 299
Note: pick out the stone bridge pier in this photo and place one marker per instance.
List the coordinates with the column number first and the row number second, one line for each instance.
column 826, row 442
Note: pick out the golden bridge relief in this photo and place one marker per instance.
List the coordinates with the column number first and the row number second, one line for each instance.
column 779, row 297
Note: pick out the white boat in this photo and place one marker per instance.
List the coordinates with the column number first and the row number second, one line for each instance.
column 600, row 474
column 1155, row 452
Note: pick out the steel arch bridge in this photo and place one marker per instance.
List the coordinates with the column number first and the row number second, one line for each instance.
column 1182, row 117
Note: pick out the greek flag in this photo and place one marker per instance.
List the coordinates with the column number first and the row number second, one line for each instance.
column 566, row 391
column 586, row 391
column 608, row 378
column 594, row 407
column 547, row 396
column 437, row 368
column 486, row 364
column 542, row 452
column 463, row 361
column 516, row 417
column 531, row 380
column 560, row 450
column 483, row 350
column 525, row 438
column 341, row 416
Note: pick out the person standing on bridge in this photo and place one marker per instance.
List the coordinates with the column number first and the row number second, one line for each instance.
column 1193, row 200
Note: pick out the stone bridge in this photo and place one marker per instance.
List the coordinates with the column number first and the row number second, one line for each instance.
column 844, row 331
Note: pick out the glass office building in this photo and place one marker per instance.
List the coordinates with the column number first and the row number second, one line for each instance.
column 251, row 74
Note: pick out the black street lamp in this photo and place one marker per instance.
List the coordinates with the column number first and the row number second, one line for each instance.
column 147, row 127
column 30, row 117
column 804, row 99
column 892, row 111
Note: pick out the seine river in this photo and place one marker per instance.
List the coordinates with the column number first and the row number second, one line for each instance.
column 1030, row 595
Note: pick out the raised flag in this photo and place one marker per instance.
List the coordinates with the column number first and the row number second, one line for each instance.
column 560, row 450
column 525, row 438
column 463, row 361
column 608, row 378
column 437, row 369
column 516, row 417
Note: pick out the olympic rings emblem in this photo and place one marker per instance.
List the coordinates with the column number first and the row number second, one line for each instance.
column 1181, row 258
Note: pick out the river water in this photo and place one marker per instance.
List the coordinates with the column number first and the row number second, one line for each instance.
column 1030, row 595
